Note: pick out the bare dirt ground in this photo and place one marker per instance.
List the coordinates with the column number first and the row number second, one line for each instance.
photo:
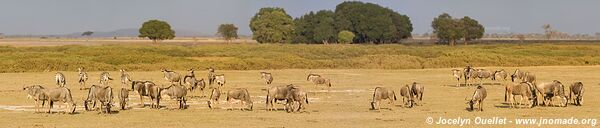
column 347, row 105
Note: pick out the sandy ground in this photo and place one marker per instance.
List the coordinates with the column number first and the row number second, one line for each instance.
column 347, row 105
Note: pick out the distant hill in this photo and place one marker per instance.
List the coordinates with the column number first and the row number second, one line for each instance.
column 133, row 32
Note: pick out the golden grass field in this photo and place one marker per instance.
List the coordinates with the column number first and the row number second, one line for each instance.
column 347, row 105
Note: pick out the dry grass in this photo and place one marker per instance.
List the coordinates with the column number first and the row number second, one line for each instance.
column 346, row 106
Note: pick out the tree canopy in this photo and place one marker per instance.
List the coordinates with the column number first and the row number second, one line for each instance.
column 315, row 27
column 228, row 31
column 448, row 30
column 372, row 23
column 87, row 33
column 156, row 30
column 345, row 37
column 272, row 25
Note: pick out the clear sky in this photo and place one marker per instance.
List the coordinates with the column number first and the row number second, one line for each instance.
column 203, row 16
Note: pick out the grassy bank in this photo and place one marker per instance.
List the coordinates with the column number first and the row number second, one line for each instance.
column 273, row 56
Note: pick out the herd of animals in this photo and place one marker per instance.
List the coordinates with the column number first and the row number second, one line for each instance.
column 293, row 96
column 523, row 84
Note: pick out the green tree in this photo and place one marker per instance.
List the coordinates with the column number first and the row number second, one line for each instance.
column 156, row 30
column 471, row 29
column 315, row 27
column 446, row 29
column 228, row 31
column 272, row 25
column 345, row 37
column 372, row 23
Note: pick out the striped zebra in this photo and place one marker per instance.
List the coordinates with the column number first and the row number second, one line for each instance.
column 104, row 78
column 125, row 79
column 59, row 77
column 83, row 77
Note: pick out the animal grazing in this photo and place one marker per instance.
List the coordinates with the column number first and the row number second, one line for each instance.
column 549, row 90
column 518, row 74
column 171, row 76
column 523, row 89
column 382, row 93
column 123, row 98
column 60, row 94
column 296, row 96
column 407, row 96
column 36, row 93
column 483, row 74
column 83, row 77
column 242, row 95
column 267, row 77
column 177, row 92
column 478, row 96
column 319, row 80
column 149, row 89
column 105, row 78
column 275, row 93
column 100, row 93
column 576, row 90
column 59, row 77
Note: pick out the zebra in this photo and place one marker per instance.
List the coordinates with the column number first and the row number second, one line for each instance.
column 193, row 83
column 104, row 78
column 211, row 75
column 83, row 77
column 125, row 79
column 59, row 77
column 267, row 77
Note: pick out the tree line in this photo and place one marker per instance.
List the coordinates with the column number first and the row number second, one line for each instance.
column 350, row 22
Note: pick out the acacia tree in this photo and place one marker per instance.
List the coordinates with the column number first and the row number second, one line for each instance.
column 87, row 33
column 228, row 31
column 446, row 29
column 156, row 31
column 272, row 25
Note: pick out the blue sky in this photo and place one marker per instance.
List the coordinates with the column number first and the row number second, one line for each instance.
column 203, row 16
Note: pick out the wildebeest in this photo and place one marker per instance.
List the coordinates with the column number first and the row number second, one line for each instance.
column 577, row 90
column 549, row 90
column 191, row 81
column 211, row 75
column 59, row 77
column 214, row 97
column 147, row 88
column 499, row 74
column 171, row 76
column 104, row 94
column 60, row 94
column 518, row 74
column 457, row 74
column 123, row 98
column 417, row 90
column 125, row 78
column 296, row 96
column 523, row 89
column 83, row 77
column 382, row 93
column 469, row 73
column 267, row 77
column 105, row 78
column 36, row 92
column 478, row 96
column 242, row 95
column 407, row 96
column 176, row 92
column 483, row 74
column 529, row 77
column 219, row 79
column 275, row 93
column 317, row 79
